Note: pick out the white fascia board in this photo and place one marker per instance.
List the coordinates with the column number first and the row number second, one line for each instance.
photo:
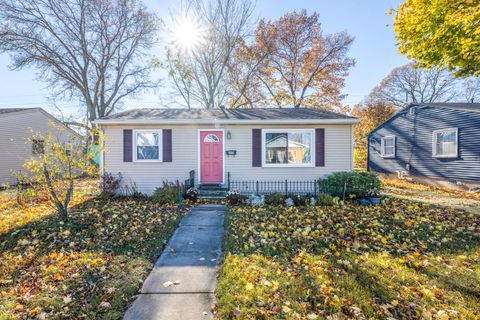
column 222, row 121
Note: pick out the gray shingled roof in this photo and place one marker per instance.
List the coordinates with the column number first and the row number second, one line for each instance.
column 470, row 107
column 227, row 114
column 475, row 107
column 10, row 110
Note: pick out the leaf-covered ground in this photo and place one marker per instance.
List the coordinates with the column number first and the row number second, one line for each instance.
column 464, row 200
column 87, row 268
column 34, row 204
column 398, row 260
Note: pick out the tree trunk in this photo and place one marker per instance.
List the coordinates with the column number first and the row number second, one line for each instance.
column 63, row 213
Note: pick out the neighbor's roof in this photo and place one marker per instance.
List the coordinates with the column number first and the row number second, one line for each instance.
column 11, row 110
column 475, row 107
column 469, row 107
column 5, row 113
column 223, row 115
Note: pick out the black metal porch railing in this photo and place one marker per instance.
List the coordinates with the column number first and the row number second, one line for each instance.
column 300, row 187
column 285, row 187
column 190, row 182
column 288, row 187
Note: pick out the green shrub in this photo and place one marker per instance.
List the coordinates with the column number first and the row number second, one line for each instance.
column 167, row 194
column 349, row 184
column 326, row 200
column 274, row 199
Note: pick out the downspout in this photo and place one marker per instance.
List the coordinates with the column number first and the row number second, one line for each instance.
column 368, row 152
column 102, row 155
column 413, row 138
column 352, row 149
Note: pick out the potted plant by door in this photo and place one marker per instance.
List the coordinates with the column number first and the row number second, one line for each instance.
column 192, row 194
column 373, row 195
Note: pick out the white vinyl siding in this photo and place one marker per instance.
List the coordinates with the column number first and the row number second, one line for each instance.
column 15, row 130
column 445, row 143
column 149, row 175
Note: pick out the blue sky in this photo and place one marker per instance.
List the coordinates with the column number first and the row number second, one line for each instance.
column 373, row 49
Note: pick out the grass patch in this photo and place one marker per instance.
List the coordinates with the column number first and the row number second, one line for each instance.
column 89, row 267
column 401, row 259
column 447, row 197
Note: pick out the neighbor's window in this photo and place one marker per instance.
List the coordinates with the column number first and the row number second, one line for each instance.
column 147, row 145
column 388, row 147
column 287, row 147
column 38, row 146
column 445, row 143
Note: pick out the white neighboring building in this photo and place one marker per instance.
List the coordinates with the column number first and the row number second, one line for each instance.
column 16, row 127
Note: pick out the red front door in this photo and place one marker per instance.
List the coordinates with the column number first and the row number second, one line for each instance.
column 211, row 156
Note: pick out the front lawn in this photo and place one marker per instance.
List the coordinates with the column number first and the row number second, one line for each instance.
column 399, row 260
column 465, row 200
column 87, row 268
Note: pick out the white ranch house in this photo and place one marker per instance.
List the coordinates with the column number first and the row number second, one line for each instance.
column 222, row 147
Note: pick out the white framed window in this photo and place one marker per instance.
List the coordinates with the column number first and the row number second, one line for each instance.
column 147, row 145
column 288, row 147
column 388, row 147
column 445, row 143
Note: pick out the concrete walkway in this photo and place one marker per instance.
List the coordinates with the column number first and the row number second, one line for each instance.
column 182, row 283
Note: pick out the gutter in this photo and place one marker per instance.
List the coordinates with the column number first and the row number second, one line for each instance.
column 221, row 121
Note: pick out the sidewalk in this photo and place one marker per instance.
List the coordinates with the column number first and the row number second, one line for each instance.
column 182, row 283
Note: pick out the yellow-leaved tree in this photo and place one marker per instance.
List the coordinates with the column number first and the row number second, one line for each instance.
column 441, row 33
column 372, row 114
column 57, row 162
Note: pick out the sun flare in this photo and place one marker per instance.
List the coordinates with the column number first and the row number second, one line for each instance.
column 187, row 33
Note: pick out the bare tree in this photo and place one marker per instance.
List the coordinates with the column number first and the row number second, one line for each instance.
column 304, row 67
column 91, row 49
column 201, row 75
column 180, row 73
column 471, row 89
column 407, row 84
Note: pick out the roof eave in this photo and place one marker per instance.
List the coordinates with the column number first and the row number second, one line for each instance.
column 222, row 121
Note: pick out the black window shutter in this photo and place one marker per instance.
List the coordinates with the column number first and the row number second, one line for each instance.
column 320, row 147
column 256, row 147
column 167, row 145
column 127, row 145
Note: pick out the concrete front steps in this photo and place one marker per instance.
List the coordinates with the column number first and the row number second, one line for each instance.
column 212, row 191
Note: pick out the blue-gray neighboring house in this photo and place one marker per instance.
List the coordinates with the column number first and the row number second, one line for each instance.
column 434, row 140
